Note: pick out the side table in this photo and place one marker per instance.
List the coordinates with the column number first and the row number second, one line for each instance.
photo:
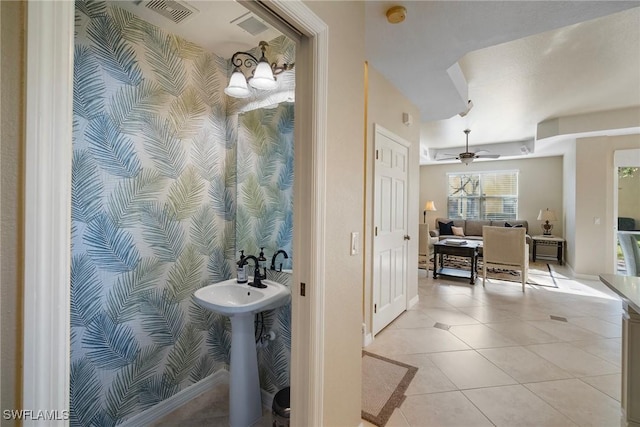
column 548, row 240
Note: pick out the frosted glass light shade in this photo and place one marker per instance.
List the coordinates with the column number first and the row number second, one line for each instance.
column 263, row 77
column 237, row 86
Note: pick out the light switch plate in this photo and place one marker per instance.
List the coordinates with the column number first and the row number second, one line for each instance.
column 355, row 243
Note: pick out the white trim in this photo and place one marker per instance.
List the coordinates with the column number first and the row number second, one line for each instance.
column 368, row 339
column 162, row 409
column 308, row 313
column 621, row 159
column 48, row 201
column 47, row 254
column 414, row 301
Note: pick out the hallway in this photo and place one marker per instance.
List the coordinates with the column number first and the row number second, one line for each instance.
column 496, row 356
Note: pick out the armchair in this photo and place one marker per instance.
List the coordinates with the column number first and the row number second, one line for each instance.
column 630, row 251
column 505, row 247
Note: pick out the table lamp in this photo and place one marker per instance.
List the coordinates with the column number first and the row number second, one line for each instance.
column 546, row 216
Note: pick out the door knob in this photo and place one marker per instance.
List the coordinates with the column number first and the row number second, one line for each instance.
column 407, row 237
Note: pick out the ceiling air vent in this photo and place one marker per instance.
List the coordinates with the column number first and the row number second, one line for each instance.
column 176, row 11
column 250, row 24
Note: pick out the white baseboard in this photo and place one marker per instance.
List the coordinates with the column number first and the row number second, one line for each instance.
column 413, row 301
column 368, row 339
column 169, row 405
column 162, row 409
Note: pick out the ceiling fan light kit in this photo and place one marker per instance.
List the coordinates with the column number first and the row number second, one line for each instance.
column 467, row 156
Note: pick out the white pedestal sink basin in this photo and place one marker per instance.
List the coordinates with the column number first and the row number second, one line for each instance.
column 240, row 302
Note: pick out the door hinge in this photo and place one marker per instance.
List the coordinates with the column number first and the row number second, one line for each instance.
column 376, row 154
column 375, row 308
column 375, row 231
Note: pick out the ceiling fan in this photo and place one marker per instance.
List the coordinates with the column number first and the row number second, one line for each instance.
column 468, row 157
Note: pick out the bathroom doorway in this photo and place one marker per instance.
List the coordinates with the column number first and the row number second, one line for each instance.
column 46, row 368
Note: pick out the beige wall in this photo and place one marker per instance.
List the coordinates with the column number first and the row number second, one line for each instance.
column 12, row 18
column 385, row 107
column 540, row 186
column 344, row 210
column 594, row 243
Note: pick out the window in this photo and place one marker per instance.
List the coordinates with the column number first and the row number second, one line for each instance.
column 483, row 195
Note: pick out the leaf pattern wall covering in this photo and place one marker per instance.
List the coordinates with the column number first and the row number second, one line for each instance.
column 153, row 218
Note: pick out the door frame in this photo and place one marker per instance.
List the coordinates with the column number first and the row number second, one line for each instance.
column 621, row 159
column 378, row 129
column 47, row 220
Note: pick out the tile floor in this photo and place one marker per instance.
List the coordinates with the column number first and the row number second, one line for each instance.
column 502, row 361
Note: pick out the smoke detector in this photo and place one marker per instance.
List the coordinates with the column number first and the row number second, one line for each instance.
column 174, row 10
column 396, row 14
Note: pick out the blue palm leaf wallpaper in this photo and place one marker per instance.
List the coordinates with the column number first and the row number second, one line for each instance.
column 159, row 207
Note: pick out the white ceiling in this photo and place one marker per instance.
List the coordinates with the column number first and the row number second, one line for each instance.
column 520, row 62
column 213, row 27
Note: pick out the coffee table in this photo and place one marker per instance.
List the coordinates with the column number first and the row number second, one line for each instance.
column 469, row 250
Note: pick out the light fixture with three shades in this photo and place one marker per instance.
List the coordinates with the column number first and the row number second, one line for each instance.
column 263, row 74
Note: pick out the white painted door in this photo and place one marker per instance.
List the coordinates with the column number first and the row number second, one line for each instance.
column 390, row 241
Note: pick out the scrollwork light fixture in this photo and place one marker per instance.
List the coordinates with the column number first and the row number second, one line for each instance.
column 263, row 74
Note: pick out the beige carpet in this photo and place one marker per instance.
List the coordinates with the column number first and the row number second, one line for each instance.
column 541, row 274
column 384, row 382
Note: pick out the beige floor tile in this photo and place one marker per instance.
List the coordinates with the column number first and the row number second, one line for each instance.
column 488, row 314
column 564, row 330
column 523, row 333
column 609, row 349
column 597, row 326
column 481, row 336
column 515, row 405
column 392, row 342
column 450, row 316
column 442, row 409
column 397, row 419
column 524, row 365
column 468, row 369
column 574, row 360
column 616, row 319
column 608, row 384
column 429, row 378
column 457, row 300
column 412, row 319
column 529, row 311
column 585, row 405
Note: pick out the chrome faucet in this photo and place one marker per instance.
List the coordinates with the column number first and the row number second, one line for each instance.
column 257, row 277
column 273, row 259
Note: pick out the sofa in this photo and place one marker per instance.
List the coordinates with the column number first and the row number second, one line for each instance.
column 472, row 228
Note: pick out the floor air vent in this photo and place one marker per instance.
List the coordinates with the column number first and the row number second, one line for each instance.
column 176, row 11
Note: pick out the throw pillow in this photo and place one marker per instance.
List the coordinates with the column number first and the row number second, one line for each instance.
column 457, row 231
column 445, row 228
column 506, row 224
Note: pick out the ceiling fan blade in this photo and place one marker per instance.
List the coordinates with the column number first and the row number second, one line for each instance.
column 487, row 156
column 446, row 156
column 482, row 151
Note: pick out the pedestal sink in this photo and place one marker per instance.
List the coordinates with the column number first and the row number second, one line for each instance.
column 240, row 302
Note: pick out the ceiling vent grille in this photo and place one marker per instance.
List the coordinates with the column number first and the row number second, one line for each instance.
column 251, row 25
column 175, row 11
